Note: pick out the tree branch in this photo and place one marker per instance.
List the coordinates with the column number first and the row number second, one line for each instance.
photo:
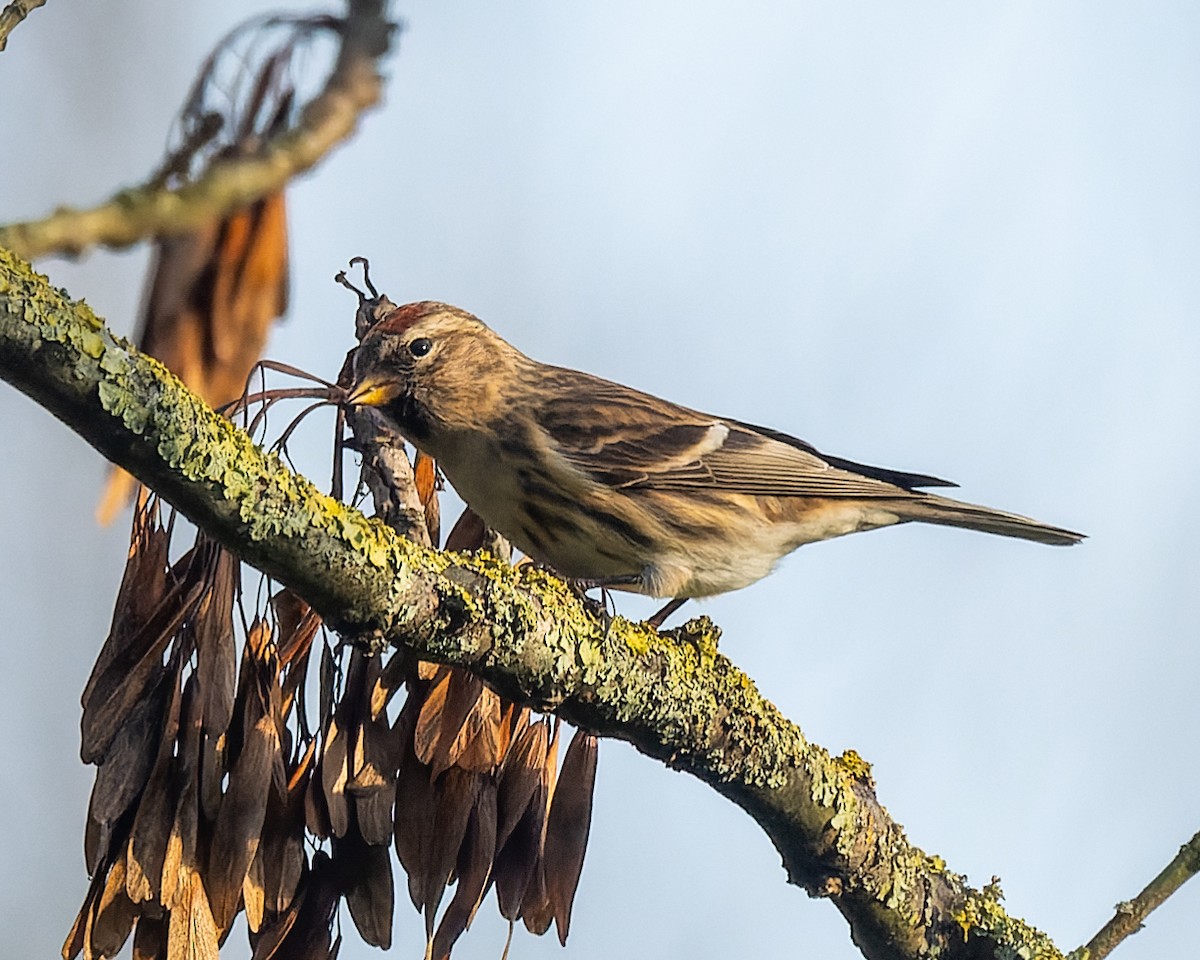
column 152, row 209
column 672, row 695
column 12, row 14
column 1131, row 913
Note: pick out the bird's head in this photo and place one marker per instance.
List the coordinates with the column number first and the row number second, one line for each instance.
column 429, row 365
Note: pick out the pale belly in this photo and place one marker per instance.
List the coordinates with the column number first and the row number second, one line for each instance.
column 585, row 531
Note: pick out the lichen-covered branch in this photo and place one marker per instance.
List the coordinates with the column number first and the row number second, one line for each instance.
column 12, row 14
column 672, row 695
column 152, row 209
column 1131, row 914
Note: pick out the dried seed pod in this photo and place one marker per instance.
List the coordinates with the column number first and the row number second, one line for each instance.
column 477, row 746
column 191, row 932
column 425, row 477
column 143, row 586
column 150, row 938
column 216, row 657
column 366, row 872
column 181, row 857
column 304, row 933
column 456, row 791
column 520, row 776
column 213, row 294
column 111, row 699
column 239, row 824
column 147, row 848
column 131, row 755
column 281, row 852
column 114, row 915
column 81, row 929
column 567, row 827
column 474, row 869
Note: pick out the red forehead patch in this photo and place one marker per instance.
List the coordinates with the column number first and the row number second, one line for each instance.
column 400, row 319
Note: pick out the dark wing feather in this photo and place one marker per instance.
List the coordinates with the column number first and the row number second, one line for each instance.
column 629, row 439
column 901, row 478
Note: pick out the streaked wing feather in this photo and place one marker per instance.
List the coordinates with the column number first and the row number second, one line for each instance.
column 901, row 478
column 642, row 441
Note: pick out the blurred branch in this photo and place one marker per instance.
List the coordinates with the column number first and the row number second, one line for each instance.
column 14, row 13
column 523, row 631
column 152, row 209
column 1130, row 913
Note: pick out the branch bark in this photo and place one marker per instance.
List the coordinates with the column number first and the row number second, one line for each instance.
column 1132, row 913
column 672, row 695
column 153, row 210
column 14, row 13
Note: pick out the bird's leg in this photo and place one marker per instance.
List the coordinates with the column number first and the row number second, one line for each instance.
column 659, row 618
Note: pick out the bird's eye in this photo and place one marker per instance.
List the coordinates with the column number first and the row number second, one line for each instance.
column 420, row 346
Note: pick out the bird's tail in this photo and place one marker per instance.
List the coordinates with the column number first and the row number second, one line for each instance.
column 930, row 508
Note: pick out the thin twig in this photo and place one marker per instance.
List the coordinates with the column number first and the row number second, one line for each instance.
column 1130, row 913
column 13, row 14
column 151, row 210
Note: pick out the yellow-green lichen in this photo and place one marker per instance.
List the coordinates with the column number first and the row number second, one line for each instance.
column 982, row 916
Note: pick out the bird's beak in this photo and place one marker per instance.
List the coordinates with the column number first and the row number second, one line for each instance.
column 373, row 393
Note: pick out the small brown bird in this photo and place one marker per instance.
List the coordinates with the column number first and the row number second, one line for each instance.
column 607, row 484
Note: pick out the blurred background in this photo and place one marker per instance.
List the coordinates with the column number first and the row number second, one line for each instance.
column 955, row 239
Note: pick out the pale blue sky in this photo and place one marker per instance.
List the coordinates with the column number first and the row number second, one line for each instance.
column 955, row 238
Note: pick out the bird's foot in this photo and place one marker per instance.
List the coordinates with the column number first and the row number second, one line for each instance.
column 669, row 608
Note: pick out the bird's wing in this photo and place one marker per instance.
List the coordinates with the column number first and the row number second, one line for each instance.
column 627, row 439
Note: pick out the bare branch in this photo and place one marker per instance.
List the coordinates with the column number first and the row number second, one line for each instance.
column 13, row 14
column 153, row 210
column 674, row 696
column 1130, row 914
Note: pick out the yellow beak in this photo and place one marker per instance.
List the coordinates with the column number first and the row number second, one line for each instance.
column 374, row 393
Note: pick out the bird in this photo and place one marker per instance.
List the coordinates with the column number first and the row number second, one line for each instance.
column 614, row 487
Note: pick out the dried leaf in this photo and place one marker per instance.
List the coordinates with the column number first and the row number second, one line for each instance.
column 567, row 826
column 474, row 869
